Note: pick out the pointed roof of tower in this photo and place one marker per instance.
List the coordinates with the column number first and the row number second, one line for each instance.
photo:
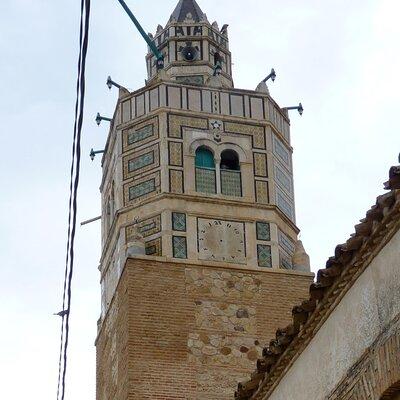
column 186, row 7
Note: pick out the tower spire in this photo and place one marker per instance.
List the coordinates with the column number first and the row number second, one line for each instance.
column 188, row 9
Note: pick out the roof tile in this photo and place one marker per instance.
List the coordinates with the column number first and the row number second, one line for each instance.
column 379, row 220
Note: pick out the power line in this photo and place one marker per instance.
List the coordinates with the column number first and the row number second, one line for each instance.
column 72, row 205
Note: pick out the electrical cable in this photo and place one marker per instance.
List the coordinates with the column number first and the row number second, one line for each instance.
column 74, row 184
column 70, row 199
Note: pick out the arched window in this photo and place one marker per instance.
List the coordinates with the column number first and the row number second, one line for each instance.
column 231, row 181
column 205, row 171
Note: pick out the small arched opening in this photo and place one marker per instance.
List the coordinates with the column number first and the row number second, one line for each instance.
column 231, row 180
column 205, row 171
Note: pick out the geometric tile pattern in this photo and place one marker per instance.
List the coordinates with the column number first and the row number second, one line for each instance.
column 179, row 222
column 176, row 181
column 281, row 151
column 154, row 247
column 177, row 122
column 283, row 179
column 286, row 243
column 263, row 231
column 175, row 154
column 179, row 247
column 140, row 134
column 231, row 183
column 284, row 204
column 285, row 261
column 147, row 227
column 205, row 180
column 262, row 195
column 191, row 79
column 141, row 161
column 264, row 256
column 142, row 189
column 260, row 165
column 256, row 131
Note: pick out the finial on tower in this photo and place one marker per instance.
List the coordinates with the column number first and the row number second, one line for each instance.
column 188, row 9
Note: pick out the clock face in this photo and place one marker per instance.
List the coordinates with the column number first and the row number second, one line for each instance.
column 220, row 240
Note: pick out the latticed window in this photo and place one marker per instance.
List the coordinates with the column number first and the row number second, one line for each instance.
column 285, row 260
column 179, row 222
column 179, row 247
column 264, row 256
column 231, row 180
column 263, row 231
column 205, row 171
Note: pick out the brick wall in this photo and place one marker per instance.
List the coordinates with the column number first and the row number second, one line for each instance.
column 189, row 332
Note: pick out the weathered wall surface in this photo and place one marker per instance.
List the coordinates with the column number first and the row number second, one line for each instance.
column 190, row 332
column 355, row 355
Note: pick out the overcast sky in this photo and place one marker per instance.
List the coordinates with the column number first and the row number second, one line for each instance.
column 340, row 58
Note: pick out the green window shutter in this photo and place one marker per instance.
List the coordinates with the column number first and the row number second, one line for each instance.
column 204, row 158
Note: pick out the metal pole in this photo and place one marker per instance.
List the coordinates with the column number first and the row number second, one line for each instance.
column 89, row 221
column 151, row 44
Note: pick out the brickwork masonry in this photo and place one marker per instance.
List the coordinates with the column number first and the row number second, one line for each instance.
column 175, row 331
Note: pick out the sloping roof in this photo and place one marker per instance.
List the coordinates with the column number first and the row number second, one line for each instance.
column 382, row 221
column 186, row 7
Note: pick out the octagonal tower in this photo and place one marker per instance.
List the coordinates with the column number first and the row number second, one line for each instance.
column 200, row 253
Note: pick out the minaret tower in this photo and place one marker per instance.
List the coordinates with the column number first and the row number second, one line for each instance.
column 200, row 253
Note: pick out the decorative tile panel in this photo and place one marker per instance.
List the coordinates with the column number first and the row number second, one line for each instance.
column 262, row 195
column 206, row 181
column 154, row 247
column 260, row 165
column 215, row 102
column 264, row 256
column 263, row 231
column 141, row 161
column 176, row 181
column 231, row 183
column 285, row 204
column 179, row 247
column 285, row 261
column 191, row 79
column 281, row 152
column 175, row 150
column 256, row 131
column 179, row 222
column 177, row 122
column 147, row 227
column 283, row 179
column 142, row 188
column 278, row 120
column 140, row 134
column 286, row 243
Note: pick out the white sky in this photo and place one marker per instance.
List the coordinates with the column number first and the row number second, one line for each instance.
column 340, row 58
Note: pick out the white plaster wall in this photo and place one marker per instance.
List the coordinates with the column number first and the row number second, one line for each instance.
column 366, row 309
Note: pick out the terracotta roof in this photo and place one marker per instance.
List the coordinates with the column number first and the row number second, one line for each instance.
column 382, row 221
